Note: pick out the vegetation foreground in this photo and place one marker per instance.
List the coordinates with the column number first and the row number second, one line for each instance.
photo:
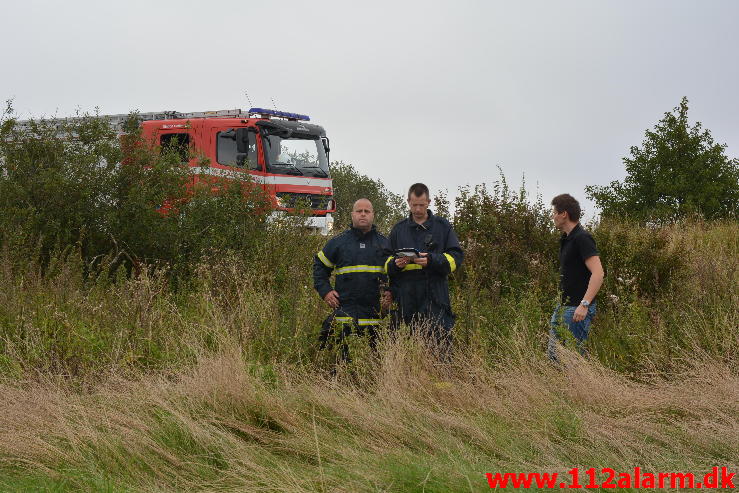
column 223, row 425
column 124, row 383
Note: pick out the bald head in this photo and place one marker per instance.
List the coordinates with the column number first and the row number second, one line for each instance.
column 363, row 215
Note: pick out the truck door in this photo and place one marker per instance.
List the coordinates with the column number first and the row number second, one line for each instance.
column 236, row 148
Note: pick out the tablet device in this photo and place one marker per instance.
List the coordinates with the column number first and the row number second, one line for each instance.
column 407, row 252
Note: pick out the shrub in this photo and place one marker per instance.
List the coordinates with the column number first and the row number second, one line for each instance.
column 510, row 244
column 350, row 185
column 75, row 183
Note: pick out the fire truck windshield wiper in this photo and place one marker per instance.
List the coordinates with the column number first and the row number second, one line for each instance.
column 291, row 165
column 317, row 170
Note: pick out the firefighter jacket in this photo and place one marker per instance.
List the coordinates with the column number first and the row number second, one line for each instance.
column 424, row 291
column 358, row 260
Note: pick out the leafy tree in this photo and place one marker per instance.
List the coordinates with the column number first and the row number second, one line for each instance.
column 350, row 185
column 678, row 171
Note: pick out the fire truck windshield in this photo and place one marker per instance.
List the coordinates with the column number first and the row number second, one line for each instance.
column 297, row 155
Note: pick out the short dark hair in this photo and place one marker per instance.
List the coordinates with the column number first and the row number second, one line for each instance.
column 566, row 202
column 419, row 189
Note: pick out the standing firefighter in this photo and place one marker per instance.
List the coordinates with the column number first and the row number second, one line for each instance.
column 357, row 255
column 581, row 275
column 426, row 250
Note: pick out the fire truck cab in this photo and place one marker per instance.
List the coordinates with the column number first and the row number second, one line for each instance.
column 282, row 153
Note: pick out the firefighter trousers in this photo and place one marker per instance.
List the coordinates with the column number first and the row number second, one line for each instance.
column 342, row 323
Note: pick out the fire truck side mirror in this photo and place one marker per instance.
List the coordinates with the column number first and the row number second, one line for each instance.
column 326, row 146
column 242, row 140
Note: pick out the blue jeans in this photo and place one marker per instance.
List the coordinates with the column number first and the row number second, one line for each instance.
column 562, row 316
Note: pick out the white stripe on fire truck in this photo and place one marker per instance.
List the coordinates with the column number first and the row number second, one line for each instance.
column 269, row 179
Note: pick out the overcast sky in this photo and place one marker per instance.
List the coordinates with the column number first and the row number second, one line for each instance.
column 440, row 92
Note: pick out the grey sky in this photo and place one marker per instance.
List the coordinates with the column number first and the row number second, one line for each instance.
column 435, row 91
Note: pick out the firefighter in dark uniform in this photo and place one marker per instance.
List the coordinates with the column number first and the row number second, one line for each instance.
column 420, row 285
column 357, row 256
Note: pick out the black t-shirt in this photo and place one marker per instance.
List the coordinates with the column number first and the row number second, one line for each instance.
column 574, row 249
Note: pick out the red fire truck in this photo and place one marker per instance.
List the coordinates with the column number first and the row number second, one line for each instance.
column 283, row 153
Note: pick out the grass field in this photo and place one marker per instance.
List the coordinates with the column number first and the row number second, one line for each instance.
column 113, row 382
column 399, row 423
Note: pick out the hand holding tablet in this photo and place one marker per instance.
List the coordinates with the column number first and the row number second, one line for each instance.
column 407, row 252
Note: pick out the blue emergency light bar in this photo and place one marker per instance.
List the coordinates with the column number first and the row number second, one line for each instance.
column 283, row 114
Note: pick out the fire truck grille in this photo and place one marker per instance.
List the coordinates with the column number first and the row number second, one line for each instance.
column 317, row 202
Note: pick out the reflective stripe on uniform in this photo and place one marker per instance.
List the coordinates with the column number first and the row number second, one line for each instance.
column 360, row 321
column 389, row 259
column 412, row 267
column 452, row 263
column 358, row 268
column 325, row 260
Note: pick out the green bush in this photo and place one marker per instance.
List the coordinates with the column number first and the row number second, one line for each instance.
column 647, row 260
column 510, row 244
column 75, row 183
column 670, row 294
column 350, row 185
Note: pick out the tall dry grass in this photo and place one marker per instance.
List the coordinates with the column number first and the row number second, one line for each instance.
column 404, row 424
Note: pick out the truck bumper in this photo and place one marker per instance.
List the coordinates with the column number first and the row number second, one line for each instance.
column 315, row 224
column 321, row 224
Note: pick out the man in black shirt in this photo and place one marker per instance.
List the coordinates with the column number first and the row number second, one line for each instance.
column 581, row 274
